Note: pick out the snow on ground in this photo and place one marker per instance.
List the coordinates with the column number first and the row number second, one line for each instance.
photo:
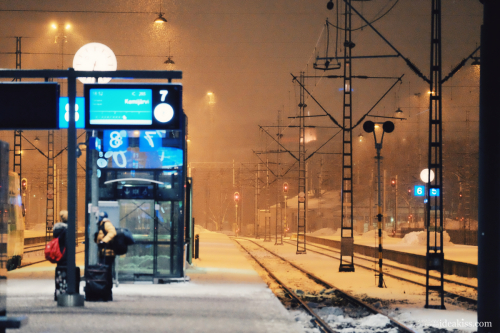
column 374, row 234
column 462, row 253
column 338, row 233
column 420, row 238
column 450, row 320
column 323, row 232
column 198, row 229
column 342, row 323
column 329, row 232
column 400, row 299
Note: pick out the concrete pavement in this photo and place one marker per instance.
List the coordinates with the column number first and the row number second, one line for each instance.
column 225, row 294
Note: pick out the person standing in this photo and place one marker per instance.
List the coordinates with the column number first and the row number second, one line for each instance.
column 105, row 234
column 59, row 231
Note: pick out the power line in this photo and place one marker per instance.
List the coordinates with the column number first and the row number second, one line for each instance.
column 74, row 11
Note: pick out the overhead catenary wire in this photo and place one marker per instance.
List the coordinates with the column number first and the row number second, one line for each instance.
column 367, row 24
column 314, row 152
column 363, row 117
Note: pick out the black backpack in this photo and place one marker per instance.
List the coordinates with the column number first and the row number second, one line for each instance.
column 119, row 244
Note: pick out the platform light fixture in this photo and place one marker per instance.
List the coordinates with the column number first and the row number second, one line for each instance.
column 169, row 60
column 160, row 19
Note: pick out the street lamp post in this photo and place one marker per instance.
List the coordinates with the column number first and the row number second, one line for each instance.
column 388, row 126
column 61, row 38
column 285, row 192
column 236, row 199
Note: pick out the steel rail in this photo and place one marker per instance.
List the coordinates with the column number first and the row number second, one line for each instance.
column 37, row 262
column 338, row 291
column 400, row 268
column 319, row 322
column 449, row 293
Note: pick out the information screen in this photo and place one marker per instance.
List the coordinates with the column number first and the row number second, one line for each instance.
column 120, row 106
column 136, row 106
column 29, row 106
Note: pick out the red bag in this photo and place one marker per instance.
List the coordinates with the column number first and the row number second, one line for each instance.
column 52, row 251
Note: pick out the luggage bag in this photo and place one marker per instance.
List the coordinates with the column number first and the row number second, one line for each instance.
column 61, row 280
column 96, row 283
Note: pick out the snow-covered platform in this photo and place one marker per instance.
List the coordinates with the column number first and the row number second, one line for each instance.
column 460, row 260
column 224, row 294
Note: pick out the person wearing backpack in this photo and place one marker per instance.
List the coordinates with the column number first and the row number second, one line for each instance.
column 104, row 237
column 59, row 233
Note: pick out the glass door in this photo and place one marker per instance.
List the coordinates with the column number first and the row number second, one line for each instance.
column 139, row 217
column 167, row 214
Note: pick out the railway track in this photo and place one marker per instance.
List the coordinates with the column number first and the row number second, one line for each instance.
column 460, row 298
column 40, row 247
column 284, row 281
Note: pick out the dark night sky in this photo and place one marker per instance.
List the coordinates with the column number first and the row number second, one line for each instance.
column 244, row 52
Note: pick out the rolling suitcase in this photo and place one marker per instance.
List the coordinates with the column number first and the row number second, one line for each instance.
column 97, row 287
column 62, row 281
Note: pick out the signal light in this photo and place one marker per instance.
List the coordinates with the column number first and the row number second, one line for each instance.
column 24, row 184
column 460, row 195
column 285, row 187
column 393, row 182
column 409, row 191
column 236, row 197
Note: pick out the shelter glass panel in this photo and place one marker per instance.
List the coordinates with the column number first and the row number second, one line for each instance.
column 138, row 217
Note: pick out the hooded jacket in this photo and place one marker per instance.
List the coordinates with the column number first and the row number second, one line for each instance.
column 110, row 234
column 59, row 231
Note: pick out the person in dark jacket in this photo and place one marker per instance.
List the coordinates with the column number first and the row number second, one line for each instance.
column 59, row 231
column 105, row 234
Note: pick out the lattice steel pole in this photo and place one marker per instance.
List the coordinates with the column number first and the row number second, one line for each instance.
column 346, row 227
column 435, row 254
column 302, row 191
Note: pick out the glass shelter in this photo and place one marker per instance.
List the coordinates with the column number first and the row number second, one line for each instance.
column 142, row 185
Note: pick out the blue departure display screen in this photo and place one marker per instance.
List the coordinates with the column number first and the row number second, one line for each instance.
column 120, row 106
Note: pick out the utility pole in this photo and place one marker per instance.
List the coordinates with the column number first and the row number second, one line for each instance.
column 18, row 134
column 383, row 199
column 396, row 205
column 49, row 211
column 435, row 254
column 256, row 218
column 346, row 228
column 466, row 195
column 279, row 219
column 302, row 191
column 267, row 219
